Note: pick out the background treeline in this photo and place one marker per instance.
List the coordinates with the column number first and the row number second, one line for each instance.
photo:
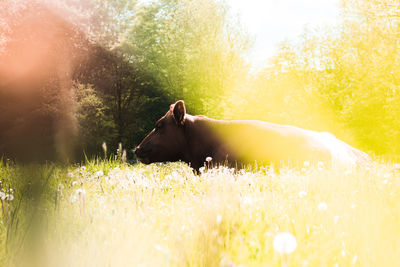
column 75, row 74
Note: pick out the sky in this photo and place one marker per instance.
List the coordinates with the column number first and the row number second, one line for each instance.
column 272, row 21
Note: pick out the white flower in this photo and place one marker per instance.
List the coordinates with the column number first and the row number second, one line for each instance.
column 208, row 159
column 72, row 198
column 285, row 243
column 74, row 183
column 99, row 173
column 2, row 194
column 80, row 191
column 70, row 174
column 336, row 219
column 306, row 164
column 9, row 197
column 202, row 169
column 320, row 164
column 354, row 260
column 322, row 206
column 302, row 194
column 83, row 168
column 219, row 219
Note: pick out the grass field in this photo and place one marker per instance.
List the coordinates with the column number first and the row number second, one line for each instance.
column 106, row 213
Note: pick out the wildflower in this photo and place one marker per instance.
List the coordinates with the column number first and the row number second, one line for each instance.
column 99, row 173
column 354, row 259
column 219, row 219
column 347, row 173
column 72, row 198
column 80, row 191
column 83, row 168
column 123, row 157
column 336, row 219
column 70, row 174
column 208, row 159
column 224, row 262
column 201, row 169
column 302, row 194
column 306, row 164
column 74, row 183
column 2, row 194
column 320, row 164
column 104, row 146
column 284, row 243
column 9, row 197
column 387, row 175
column 322, row 206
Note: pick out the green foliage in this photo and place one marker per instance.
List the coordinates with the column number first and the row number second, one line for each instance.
column 341, row 79
column 192, row 49
column 95, row 124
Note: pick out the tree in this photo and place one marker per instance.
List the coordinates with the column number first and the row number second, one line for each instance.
column 342, row 78
column 190, row 49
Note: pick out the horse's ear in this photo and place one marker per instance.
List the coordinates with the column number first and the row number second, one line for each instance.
column 179, row 112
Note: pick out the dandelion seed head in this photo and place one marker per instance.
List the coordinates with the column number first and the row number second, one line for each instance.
column 387, row 175
column 322, row 206
column 336, row 219
column 354, row 260
column 302, row 194
column 208, row 159
column 72, row 199
column 219, row 219
column 99, row 173
column 202, row 169
column 104, row 146
column 284, row 243
column 80, row 191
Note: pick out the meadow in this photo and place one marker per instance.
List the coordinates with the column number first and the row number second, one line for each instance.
column 78, row 74
column 109, row 213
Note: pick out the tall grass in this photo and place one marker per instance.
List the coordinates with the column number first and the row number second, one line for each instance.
column 107, row 213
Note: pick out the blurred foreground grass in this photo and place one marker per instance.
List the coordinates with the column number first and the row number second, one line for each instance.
column 106, row 213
